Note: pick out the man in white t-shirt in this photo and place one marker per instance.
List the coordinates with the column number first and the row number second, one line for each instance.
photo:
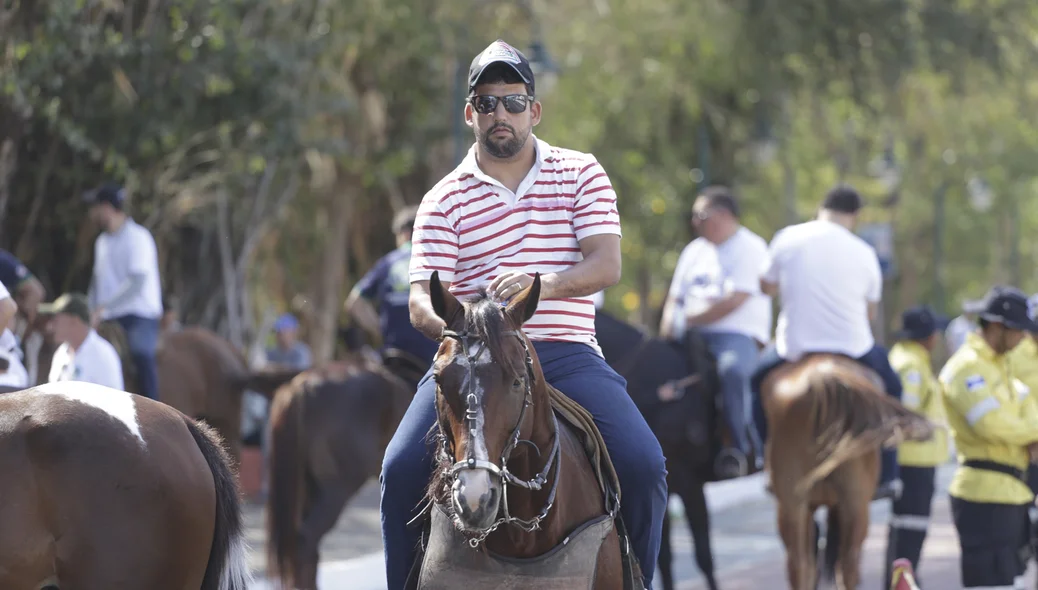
column 829, row 283
column 716, row 290
column 125, row 285
column 83, row 355
column 15, row 375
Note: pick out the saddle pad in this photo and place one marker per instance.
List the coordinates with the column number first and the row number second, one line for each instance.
column 581, row 421
column 450, row 563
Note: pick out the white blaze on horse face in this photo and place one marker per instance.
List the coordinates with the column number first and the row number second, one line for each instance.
column 117, row 404
column 477, row 442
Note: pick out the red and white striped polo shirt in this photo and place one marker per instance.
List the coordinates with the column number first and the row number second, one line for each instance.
column 470, row 228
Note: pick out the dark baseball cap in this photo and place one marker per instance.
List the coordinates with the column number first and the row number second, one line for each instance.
column 111, row 193
column 501, row 52
column 74, row 304
column 920, row 322
column 1007, row 306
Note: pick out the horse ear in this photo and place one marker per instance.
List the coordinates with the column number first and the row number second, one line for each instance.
column 522, row 307
column 444, row 303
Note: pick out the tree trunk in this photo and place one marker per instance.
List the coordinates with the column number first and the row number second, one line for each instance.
column 230, row 281
column 333, row 272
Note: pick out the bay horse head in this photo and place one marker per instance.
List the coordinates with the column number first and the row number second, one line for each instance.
column 486, row 379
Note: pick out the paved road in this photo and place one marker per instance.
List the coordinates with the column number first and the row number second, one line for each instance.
column 747, row 552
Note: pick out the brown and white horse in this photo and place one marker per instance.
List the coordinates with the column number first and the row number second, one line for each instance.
column 105, row 489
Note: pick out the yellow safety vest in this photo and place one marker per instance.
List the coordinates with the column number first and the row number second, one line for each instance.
column 1023, row 365
column 989, row 421
column 921, row 393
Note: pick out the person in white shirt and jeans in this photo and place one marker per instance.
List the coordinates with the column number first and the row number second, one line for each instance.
column 716, row 290
column 829, row 282
column 125, row 285
column 15, row 375
column 83, row 355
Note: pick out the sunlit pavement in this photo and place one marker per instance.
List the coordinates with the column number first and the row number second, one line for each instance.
column 747, row 551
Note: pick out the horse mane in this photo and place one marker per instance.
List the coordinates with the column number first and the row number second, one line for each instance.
column 484, row 319
column 850, row 416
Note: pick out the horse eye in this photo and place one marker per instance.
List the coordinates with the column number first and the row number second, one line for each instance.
column 517, row 383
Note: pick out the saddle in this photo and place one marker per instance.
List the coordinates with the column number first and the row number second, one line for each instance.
column 405, row 365
column 446, row 560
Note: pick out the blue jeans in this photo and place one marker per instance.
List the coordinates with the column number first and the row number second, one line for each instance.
column 142, row 335
column 736, row 356
column 576, row 370
column 875, row 359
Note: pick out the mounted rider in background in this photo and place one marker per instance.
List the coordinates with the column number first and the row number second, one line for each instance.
column 716, row 291
column 378, row 303
column 829, row 282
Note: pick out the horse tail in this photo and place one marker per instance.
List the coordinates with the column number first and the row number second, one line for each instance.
column 228, row 567
column 265, row 383
column 287, row 481
column 851, row 416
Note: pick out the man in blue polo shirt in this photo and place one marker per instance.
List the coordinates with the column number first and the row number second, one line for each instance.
column 378, row 302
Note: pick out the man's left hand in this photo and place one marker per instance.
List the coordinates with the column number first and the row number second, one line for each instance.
column 508, row 285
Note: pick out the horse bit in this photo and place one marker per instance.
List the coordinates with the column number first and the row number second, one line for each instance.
column 472, row 401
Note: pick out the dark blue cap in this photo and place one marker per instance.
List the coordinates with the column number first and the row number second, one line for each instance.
column 111, row 193
column 1007, row 306
column 919, row 322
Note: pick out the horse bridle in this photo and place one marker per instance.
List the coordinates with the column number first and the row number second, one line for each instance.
column 472, row 401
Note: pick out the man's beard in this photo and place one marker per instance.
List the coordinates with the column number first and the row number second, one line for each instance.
column 504, row 149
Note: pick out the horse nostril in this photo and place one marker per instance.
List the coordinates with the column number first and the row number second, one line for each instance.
column 476, row 496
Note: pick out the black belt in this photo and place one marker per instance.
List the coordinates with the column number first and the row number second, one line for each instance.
column 996, row 467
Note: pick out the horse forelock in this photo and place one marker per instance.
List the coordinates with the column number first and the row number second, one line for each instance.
column 485, row 319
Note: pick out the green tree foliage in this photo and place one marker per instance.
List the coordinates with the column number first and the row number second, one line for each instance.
column 267, row 144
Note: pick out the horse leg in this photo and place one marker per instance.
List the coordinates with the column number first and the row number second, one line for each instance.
column 324, row 507
column 794, row 523
column 693, row 496
column 665, row 559
column 854, row 528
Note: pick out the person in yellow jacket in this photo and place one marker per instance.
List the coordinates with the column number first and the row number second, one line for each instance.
column 992, row 428
column 1023, row 364
column 910, row 357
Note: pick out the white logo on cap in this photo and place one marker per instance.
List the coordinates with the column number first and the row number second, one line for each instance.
column 499, row 51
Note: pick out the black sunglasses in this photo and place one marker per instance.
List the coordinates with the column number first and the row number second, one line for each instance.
column 514, row 103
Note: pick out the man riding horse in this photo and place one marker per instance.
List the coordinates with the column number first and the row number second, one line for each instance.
column 379, row 304
column 514, row 207
column 830, row 284
column 716, row 289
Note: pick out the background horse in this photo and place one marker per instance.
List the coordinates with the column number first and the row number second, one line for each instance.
column 491, row 395
column 329, row 428
column 686, row 427
column 828, row 416
column 199, row 373
column 102, row 489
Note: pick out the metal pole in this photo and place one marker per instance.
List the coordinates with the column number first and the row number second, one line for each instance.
column 461, row 74
column 1014, row 236
column 704, row 155
column 938, row 246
